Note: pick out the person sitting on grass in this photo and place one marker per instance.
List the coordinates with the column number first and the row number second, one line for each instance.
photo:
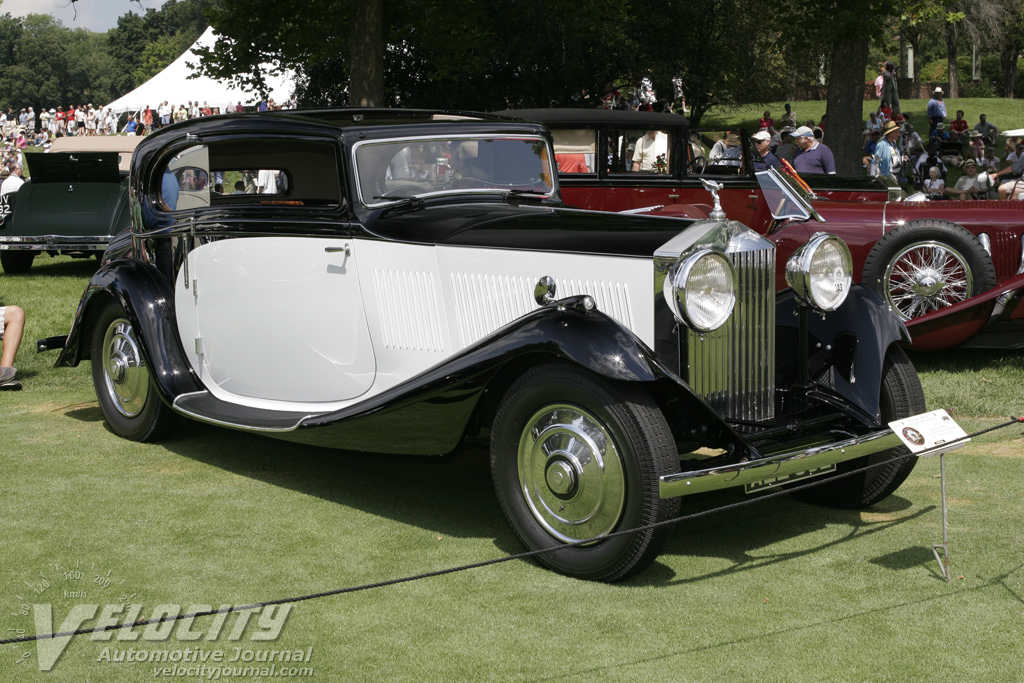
column 1012, row 186
column 935, row 187
column 12, row 324
column 971, row 185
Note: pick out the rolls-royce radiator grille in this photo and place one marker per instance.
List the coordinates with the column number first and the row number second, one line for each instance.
column 733, row 368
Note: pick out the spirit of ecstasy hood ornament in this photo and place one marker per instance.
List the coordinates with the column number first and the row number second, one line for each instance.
column 711, row 186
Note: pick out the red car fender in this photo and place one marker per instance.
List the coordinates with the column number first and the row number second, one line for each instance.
column 954, row 325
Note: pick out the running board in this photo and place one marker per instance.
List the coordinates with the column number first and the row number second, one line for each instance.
column 773, row 466
column 205, row 407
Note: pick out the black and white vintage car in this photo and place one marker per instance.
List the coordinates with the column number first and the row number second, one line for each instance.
column 399, row 281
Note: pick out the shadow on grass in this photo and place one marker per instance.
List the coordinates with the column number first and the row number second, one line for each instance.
column 740, row 535
column 452, row 495
column 90, row 413
column 45, row 266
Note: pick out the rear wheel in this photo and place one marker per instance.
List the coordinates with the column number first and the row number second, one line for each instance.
column 121, row 377
column 16, row 262
column 901, row 396
column 574, row 457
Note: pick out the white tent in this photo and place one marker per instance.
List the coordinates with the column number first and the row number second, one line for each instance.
column 174, row 85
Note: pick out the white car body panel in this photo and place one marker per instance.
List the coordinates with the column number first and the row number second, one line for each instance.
column 281, row 317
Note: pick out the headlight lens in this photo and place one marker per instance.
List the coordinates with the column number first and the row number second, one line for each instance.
column 701, row 290
column 820, row 272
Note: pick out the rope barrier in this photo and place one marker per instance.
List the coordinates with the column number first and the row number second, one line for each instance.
column 508, row 558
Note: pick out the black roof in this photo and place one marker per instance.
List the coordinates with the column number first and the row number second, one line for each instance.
column 596, row 117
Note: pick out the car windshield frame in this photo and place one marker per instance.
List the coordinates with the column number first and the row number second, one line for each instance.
column 785, row 197
column 439, row 177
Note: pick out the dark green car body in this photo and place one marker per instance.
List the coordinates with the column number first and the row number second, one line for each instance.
column 73, row 203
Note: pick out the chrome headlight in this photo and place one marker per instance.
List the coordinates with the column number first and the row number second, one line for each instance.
column 820, row 272
column 701, row 290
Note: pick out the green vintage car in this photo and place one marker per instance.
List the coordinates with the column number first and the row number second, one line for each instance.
column 75, row 201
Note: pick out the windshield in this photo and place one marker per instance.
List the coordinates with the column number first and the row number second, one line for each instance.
column 785, row 196
column 417, row 167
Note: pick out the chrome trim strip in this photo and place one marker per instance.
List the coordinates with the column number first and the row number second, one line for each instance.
column 233, row 425
column 49, row 242
column 790, row 462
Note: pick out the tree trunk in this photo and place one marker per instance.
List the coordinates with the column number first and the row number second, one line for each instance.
column 366, row 73
column 916, row 47
column 1008, row 60
column 952, row 35
column 845, row 108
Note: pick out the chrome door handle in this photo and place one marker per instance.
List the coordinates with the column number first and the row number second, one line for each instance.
column 347, row 250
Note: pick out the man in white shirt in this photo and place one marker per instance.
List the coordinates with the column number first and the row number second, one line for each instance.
column 971, row 185
column 266, row 182
column 12, row 180
column 648, row 149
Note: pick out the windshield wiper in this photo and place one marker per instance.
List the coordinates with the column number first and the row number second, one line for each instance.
column 402, row 203
column 511, row 194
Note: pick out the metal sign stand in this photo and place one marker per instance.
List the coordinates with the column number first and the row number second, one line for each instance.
column 944, row 565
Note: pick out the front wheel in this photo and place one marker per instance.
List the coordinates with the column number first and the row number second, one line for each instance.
column 901, row 396
column 573, row 458
column 121, row 377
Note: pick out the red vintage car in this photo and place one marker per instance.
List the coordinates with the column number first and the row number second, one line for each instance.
column 951, row 270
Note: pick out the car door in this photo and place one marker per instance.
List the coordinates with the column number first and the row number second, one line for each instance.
column 269, row 309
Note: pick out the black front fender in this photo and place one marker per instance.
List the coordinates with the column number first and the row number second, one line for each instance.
column 442, row 401
column 847, row 347
column 148, row 301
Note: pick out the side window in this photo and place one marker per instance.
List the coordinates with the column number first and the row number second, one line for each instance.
column 639, row 151
column 575, row 150
column 257, row 172
column 186, row 180
column 717, row 153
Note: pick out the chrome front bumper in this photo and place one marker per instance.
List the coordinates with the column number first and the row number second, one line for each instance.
column 775, row 466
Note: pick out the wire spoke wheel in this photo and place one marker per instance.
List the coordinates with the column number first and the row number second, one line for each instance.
column 926, row 276
column 926, row 265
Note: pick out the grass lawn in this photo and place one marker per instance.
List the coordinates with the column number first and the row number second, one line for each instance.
column 775, row 591
column 1006, row 114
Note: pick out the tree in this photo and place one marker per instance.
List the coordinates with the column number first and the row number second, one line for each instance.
column 142, row 46
column 49, row 64
column 915, row 19
column 366, row 45
column 1011, row 44
column 729, row 55
column 977, row 20
column 847, row 26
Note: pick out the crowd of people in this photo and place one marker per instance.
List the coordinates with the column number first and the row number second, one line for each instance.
column 26, row 128
column 897, row 152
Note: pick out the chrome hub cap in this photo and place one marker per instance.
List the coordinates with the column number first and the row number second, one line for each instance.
column 126, row 377
column 571, row 473
column 926, row 276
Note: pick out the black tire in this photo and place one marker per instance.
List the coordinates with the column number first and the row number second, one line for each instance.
column 582, row 420
column 120, row 374
column 17, row 262
column 901, row 396
column 926, row 265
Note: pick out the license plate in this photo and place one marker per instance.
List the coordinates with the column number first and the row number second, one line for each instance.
column 788, row 478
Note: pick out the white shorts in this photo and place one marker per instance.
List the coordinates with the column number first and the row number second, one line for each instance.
column 3, row 309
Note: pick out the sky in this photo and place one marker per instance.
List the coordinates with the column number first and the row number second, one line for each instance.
column 95, row 15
